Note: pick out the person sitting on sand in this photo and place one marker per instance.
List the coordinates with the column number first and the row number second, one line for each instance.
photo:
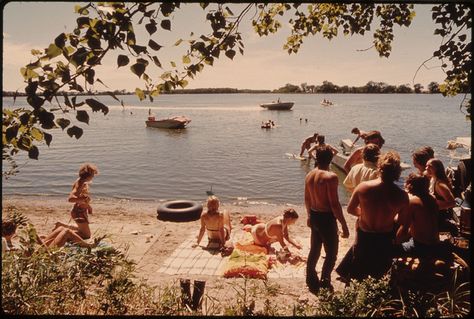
column 419, row 221
column 81, row 199
column 8, row 232
column 373, row 137
column 306, row 145
column 217, row 224
column 275, row 230
column 365, row 171
column 421, row 156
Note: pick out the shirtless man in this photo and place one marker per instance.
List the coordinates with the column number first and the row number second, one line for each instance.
column 320, row 140
column 373, row 137
column 376, row 203
column 360, row 134
column 419, row 220
column 323, row 208
column 307, row 143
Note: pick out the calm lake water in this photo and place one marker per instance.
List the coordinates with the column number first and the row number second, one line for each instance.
column 224, row 146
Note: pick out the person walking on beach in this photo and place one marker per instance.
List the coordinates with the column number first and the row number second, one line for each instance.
column 373, row 137
column 376, row 203
column 365, row 171
column 217, row 224
column 323, row 208
column 81, row 199
column 306, row 145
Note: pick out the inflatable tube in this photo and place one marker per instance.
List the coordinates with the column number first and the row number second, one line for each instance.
column 179, row 211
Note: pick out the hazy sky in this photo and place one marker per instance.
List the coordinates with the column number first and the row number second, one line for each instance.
column 264, row 65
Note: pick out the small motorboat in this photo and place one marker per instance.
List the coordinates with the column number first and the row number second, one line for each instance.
column 278, row 106
column 170, row 122
column 326, row 103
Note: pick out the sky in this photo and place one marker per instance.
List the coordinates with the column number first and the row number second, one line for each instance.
column 264, row 65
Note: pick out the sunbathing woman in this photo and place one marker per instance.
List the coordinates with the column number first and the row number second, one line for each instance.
column 216, row 223
column 276, row 230
column 81, row 199
column 441, row 189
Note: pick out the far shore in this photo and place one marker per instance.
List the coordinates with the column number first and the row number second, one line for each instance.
column 133, row 225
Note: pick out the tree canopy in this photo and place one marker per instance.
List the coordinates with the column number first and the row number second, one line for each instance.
column 69, row 62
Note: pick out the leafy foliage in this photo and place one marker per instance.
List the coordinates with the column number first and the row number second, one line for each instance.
column 69, row 62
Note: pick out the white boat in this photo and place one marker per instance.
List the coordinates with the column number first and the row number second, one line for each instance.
column 279, row 106
column 346, row 149
column 326, row 103
column 170, row 122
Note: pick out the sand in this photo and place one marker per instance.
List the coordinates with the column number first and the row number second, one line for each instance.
column 133, row 227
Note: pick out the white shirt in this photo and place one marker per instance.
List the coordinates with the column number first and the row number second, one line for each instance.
column 359, row 173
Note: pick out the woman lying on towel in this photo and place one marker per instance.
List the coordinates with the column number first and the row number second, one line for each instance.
column 216, row 223
column 276, row 230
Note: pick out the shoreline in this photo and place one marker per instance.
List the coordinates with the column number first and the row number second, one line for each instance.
column 132, row 226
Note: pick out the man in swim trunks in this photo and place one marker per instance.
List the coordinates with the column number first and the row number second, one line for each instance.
column 217, row 224
column 373, row 137
column 323, row 208
column 306, row 145
column 376, row 203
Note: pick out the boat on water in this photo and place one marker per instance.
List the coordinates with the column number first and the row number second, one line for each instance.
column 326, row 103
column 175, row 122
column 347, row 147
column 279, row 106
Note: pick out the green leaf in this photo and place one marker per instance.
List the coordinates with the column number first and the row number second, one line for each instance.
column 122, row 60
column 75, row 131
column 36, row 134
column 173, row 64
column 11, row 132
column 97, row 106
column 157, row 62
column 33, row 152
column 230, row 54
column 46, row 119
column 89, row 75
column 53, row 51
column 151, row 28
column 186, row 59
column 60, row 40
column 63, row 123
column 178, row 42
column 140, row 94
column 166, row 24
column 138, row 69
column 48, row 138
column 82, row 116
column 155, row 46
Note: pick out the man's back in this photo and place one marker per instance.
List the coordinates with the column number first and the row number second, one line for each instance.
column 424, row 220
column 316, row 189
column 379, row 203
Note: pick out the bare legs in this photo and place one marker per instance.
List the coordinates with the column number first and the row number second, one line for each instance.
column 61, row 235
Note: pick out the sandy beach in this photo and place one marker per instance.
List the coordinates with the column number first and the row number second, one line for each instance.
column 133, row 227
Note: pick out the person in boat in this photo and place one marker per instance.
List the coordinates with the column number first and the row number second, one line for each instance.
column 306, row 145
column 441, row 189
column 275, row 230
column 373, row 137
column 216, row 223
column 365, row 171
column 320, row 140
column 323, row 209
column 81, row 198
column 418, row 234
column 376, row 203
column 421, row 156
column 360, row 134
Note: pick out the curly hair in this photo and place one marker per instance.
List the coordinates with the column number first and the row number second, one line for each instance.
column 87, row 170
column 371, row 153
column 389, row 166
column 290, row 213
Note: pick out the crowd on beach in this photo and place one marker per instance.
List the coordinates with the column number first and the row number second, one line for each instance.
column 391, row 221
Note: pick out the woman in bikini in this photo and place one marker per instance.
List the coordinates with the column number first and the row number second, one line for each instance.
column 81, row 199
column 441, row 189
column 276, row 230
column 216, row 224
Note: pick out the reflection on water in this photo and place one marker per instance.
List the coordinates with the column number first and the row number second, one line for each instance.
column 224, row 146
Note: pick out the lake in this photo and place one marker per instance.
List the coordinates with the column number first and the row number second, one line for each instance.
column 224, row 147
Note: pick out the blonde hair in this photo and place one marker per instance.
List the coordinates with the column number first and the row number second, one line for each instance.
column 389, row 166
column 87, row 170
column 213, row 201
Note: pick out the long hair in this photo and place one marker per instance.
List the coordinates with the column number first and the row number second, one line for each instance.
column 440, row 172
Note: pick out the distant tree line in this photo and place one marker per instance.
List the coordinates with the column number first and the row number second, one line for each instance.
column 370, row 87
column 326, row 87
